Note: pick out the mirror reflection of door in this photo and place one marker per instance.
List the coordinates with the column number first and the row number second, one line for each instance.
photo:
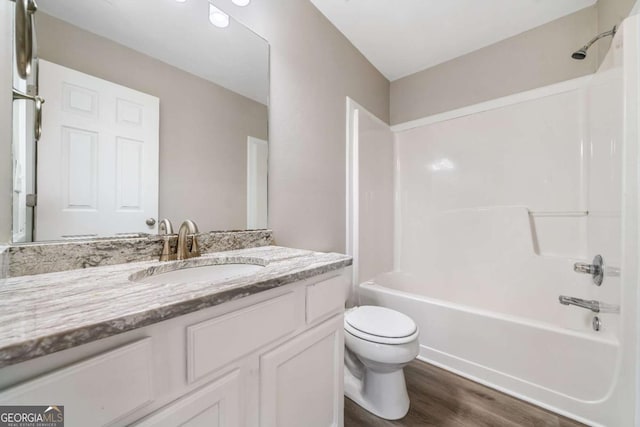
column 23, row 149
column 97, row 159
column 22, row 142
column 257, row 167
column 211, row 104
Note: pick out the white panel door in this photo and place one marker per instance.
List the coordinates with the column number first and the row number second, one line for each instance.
column 257, row 176
column 301, row 382
column 97, row 158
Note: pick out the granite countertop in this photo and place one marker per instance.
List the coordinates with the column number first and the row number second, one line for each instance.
column 45, row 313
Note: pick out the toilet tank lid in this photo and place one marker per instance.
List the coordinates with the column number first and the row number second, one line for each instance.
column 380, row 321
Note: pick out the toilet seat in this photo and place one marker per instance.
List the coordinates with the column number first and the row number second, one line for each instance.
column 380, row 325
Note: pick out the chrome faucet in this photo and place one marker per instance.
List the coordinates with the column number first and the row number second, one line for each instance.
column 595, row 269
column 593, row 305
column 165, row 229
column 187, row 227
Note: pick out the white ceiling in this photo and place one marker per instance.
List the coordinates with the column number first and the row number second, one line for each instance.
column 179, row 34
column 402, row 37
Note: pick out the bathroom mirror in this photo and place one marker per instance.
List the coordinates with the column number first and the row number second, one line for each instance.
column 152, row 109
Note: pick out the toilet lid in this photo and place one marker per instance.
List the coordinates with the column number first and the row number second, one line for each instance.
column 380, row 322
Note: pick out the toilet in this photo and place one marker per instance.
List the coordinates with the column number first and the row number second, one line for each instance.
column 379, row 343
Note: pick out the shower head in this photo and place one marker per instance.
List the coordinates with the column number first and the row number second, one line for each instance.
column 581, row 53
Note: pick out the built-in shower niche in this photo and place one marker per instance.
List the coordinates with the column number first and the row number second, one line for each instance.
column 559, row 234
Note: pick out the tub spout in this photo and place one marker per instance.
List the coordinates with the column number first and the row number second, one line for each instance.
column 593, row 305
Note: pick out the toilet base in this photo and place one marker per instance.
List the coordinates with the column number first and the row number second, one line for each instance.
column 384, row 394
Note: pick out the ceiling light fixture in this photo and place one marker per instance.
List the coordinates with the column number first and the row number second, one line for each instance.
column 241, row 3
column 218, row 17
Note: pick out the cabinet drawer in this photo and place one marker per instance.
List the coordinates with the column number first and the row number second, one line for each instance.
column 326, row 298
column 95, row 392
column 216, row 342
column 216, row 404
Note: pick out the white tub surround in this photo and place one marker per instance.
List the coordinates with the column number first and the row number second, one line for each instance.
column 494, row 204
column 370, row 192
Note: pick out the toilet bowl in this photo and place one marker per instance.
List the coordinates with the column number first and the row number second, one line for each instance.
column 379, row 343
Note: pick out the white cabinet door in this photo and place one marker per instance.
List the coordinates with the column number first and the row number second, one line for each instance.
column 97, row 158
column 214, row 405
column 301, row 382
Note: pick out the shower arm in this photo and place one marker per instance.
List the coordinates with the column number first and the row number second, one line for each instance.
column 611, row 32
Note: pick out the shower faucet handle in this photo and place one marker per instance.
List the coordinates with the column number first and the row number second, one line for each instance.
column 595, row 269
column 593, row 305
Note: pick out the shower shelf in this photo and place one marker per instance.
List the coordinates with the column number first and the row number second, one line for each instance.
column 558, row 213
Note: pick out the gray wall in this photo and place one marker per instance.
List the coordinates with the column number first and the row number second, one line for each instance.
column 203, row 126
column 610, row 13
column 529, row 60
column 313, row 69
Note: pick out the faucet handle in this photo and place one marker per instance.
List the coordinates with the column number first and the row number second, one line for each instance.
column 595, row 269
column 167, row 254
column 195, row 248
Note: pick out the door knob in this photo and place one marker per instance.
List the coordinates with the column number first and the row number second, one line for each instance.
column 151, row 222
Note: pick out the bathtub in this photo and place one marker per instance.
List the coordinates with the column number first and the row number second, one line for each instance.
column 567, row 371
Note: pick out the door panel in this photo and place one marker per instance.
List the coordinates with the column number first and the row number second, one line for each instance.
column 301, row 382
column 98, row 157
column 216, row 404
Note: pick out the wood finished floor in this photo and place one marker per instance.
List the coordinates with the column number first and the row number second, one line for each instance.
column 442, row 399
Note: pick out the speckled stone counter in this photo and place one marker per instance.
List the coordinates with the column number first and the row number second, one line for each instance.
column 49, row 257
column 46, row 313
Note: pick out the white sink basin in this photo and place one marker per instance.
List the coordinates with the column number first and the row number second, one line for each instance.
column 208, row 273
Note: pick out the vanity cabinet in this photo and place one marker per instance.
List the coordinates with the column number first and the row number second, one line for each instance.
column 269, row 359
